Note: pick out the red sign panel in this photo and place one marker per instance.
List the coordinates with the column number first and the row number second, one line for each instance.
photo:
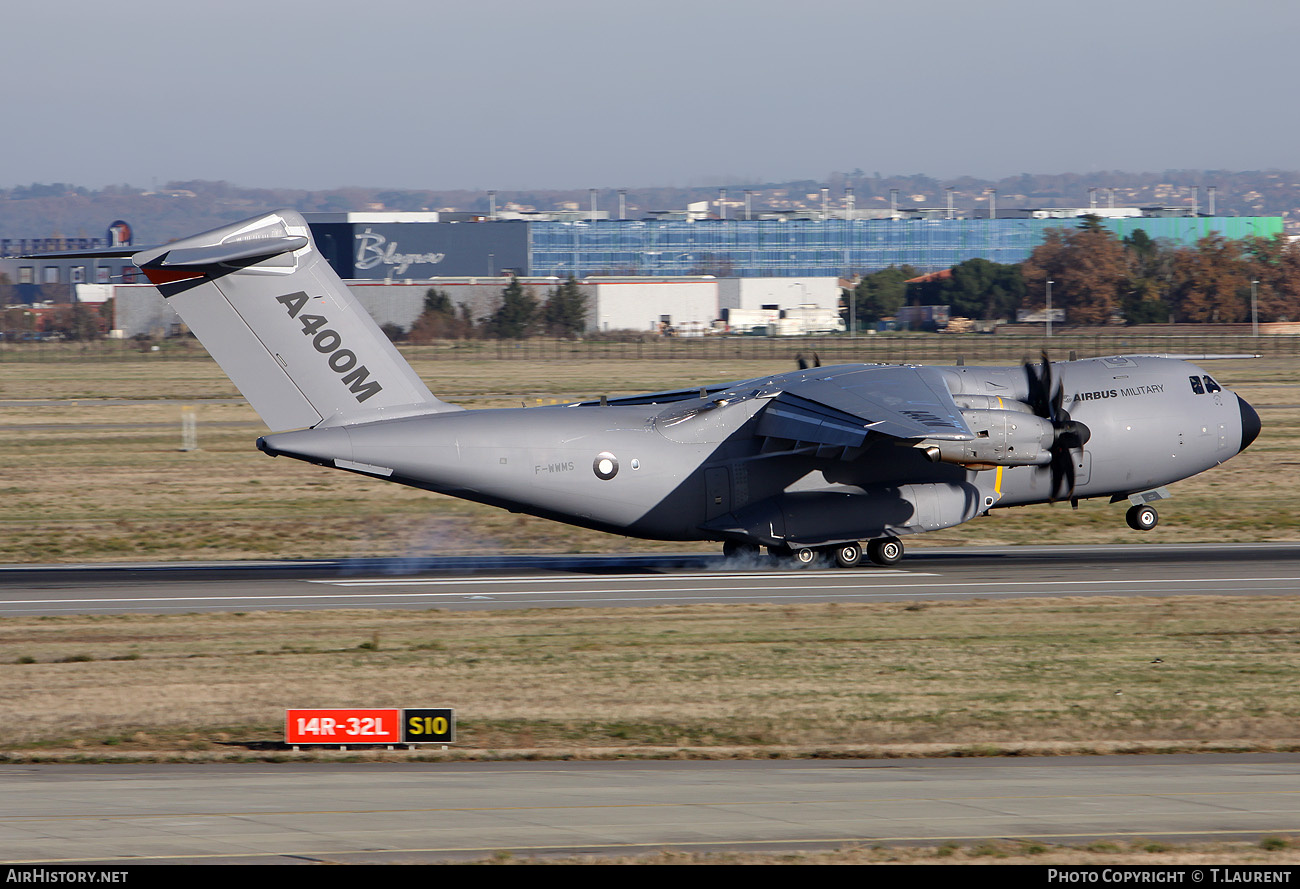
column 342, row 726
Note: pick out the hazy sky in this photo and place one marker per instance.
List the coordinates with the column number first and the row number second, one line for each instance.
column 575, row 93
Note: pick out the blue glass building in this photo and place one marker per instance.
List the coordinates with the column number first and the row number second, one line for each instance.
column 728, row 248
column 813, row 248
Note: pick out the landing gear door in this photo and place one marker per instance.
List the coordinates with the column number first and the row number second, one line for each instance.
column 717, row 492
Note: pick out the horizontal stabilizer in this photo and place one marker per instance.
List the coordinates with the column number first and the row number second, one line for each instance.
column 101, row 253
column 238, row 253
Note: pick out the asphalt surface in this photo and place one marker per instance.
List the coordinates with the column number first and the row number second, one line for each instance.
column 611, row 581
column 408, row 813
column 386, row 812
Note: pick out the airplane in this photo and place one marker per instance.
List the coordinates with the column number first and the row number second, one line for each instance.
column 806, row 464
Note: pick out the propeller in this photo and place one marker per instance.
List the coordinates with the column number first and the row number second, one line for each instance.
column 1047, row 400
column 803, row 362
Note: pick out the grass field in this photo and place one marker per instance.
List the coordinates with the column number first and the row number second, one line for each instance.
column 1050, row 675
column 94, row 470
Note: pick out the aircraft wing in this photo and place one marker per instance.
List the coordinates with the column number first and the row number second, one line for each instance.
column 840, row 407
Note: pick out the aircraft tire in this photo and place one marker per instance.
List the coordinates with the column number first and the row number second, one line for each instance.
column 848, row 555
column 805, row 556
column 885, row 550
column 1142, row 518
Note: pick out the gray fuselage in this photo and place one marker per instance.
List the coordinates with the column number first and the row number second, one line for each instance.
column 701, row 468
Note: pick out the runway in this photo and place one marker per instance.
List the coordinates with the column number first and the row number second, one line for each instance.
column 424, row 812
column 399, row 812
column 617, row 581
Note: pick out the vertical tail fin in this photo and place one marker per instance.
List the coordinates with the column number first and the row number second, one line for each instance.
column 283, row 327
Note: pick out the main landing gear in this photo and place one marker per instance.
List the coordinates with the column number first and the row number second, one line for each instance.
column 881, row 551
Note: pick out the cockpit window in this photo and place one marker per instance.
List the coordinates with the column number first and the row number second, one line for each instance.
column 1211, row 386
column 1196, row 385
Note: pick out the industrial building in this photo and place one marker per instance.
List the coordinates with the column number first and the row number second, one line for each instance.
column 683, row 306
column 386, row 247
column 678, row 275
column 422, row 246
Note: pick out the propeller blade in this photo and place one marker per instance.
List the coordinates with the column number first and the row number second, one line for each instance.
column 1047, row 400
column 1039, row 380
column 1062, row 475
column 1072, row 435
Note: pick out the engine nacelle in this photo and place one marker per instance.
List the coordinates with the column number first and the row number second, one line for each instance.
column 1013, row 437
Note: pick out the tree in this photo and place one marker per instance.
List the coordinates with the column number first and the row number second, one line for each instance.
column 879, row 295
column 1088, row 269
column 1151, row 265
column 1274, row 263
column 565, row 312
column 1211, row 281
column 515, row 316
column 977, row 288
column 78, row 322
column 17, row 321
column 437, row 321
column 1143, row 304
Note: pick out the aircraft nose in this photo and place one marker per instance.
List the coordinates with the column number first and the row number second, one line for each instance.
column 1250, row 424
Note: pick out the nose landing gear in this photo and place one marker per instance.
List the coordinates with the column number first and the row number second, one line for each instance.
column 1142, row 518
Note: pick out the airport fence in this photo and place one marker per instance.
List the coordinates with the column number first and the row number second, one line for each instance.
column 887, row 349
column 883, row 348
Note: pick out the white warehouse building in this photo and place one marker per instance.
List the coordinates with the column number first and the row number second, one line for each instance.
column 682, row 305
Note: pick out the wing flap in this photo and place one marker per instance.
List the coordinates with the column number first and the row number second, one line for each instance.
column 798, row 419
column 842, row 406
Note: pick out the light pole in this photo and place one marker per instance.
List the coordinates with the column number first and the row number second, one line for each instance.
column 1254, row 309
column 853, row 308
column 1049, row 309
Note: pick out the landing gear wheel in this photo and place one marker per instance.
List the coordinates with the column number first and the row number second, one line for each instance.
column 1142, row 518
column 848, row 555
column 805, row 556
column 885, row 550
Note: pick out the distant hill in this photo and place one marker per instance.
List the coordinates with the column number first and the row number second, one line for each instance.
column 182, row 208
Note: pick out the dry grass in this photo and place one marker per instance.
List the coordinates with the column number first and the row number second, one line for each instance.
column 1269, row 852
column 86, row 479
column 839, row 679
column 1044, row 676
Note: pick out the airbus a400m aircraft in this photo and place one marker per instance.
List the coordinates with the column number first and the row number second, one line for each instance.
column 806, row 463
